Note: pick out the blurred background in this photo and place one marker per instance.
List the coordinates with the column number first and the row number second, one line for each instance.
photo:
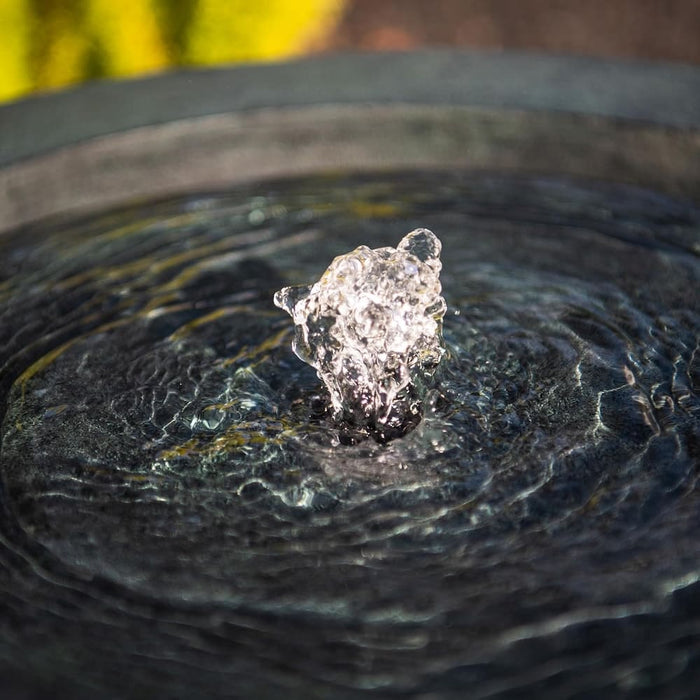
column 49, row 44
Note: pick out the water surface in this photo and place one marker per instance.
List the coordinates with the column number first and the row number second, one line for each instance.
column 178, row 512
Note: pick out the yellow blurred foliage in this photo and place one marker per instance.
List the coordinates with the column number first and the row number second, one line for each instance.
column 15, row 77
column 267, row 29
column 129, row 35
column 53, row 43
column 57, row 45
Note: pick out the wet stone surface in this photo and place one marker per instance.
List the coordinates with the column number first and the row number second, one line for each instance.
column 178, row 515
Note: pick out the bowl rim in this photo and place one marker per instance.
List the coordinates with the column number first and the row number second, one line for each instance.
column 665, row 94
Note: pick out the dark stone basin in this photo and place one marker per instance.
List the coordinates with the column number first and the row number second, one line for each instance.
column 177, row 518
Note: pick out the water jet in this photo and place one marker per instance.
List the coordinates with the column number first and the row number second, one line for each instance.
column 371, row 327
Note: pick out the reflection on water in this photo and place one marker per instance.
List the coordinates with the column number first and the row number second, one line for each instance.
column 173, row 489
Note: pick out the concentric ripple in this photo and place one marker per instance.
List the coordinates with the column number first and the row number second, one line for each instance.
column 179, row 516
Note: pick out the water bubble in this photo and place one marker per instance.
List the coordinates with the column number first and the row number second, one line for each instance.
column 372, row 329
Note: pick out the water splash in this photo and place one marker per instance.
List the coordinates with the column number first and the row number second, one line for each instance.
column 372, row 329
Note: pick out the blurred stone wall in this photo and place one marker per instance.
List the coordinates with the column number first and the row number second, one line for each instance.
column 653, row 29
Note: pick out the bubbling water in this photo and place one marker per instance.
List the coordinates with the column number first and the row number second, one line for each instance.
column 372, row 329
